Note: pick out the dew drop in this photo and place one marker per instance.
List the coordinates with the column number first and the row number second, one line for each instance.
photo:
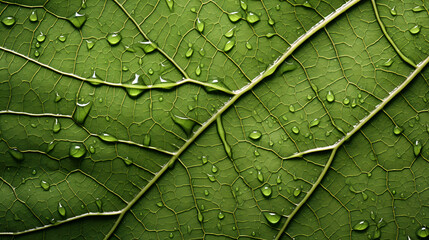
column 346, row 101
column 198, row 70
column 393, row 11
column 77, row 20
column 248, row 45
column 252, row 17
column 170, row 4
column 189, row 53
column 260, row 176
column 45, row 185
column 204, row 159
column 230, row 33
column 315, row 122
column 272, row 218
column 211, row 177
column 291, row 108
column 417, row 148
column 114, row 38
column 91, row 149
column 146, row 140
column 388, row 63
column 414, row 30
column 266, row 190
column 397, row 130
column 255, row 135
column 8, row 21
column 185, row 123
column 216, row 86
column 330, row 97
column 364, row 196
column 16, row 154
column 377, row 234
column 62, row 38
column 125, row 68
column 243, row 5
column 297, row 192
column 422, row 232
column 361, row 226
column 57, row 126
column 279, row 179
column 36, row 53
column 136, row 81
column 234, row 16
column 90, row 44
column 50, row 146
column 61, row 210
column 271, row 21
column 200, row 25
column 418, row 9
column 206, row 192
column 107, row 137
column 77, row 150
column 200, row 217
column 148, row 46
column 214, row 169
column 256, row 153
column 81, row 112
column 41, row 37
column 33, row 16
column 295, row 129
column 221, row 215
column 127, row 161
column 99, row 204
column 354, row 104
column 372, row 215
column 229, row 45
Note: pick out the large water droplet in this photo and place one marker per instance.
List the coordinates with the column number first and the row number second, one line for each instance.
column 414, row 30
column 62, row 38
column 107, row 137
column 200, row 25
column 291, row 108
column 57, row 126
column 422, row 232
column 297, row 192
column 230, row 33
column 330, row 97
column 252, row 17
column 135, row 81
column 211, row 177
column 16, row 154
column 41, row 37
column 8, row 21
column 45, row 185
column 170, row 4
column 393, row 11
column 418, row 8
column 234, row 16
column 81, row 112
column 185, row 123
column 361, row 226
column 114, row 38
column 346, row 101
column 148, row 46
column 417, row 147
column 295, row 129
column 255, row 135
column 266, row 190
column 33, row 16
column 272, row 218
column 77, row 20
column 229, row 45
column 61, row 210
column 315, row 122
column 77, row 150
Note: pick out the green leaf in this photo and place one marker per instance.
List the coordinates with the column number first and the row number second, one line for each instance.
column 216, row 119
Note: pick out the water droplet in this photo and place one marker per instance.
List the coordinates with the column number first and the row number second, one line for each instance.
column 377, row 234
column 388, row 63
column 260, row 176
column 270, row 35
column 291, row 108
column 271, row 21
column 170, row 4
column 90, row 44
column 266, row 190
column 107, row 137
column 418, row 9
column 204, row 159
column 146, row 140
column 272, row 218
column 200, row 25
column 61, row 210
column 45, row 185
column 221, row 215
column 148, row 46
column 62, row 38
column 364, row 196
column 255, row 135
column 41, row 37
column 346, row 101
column 315, row 122
column 252, row 17
column 256, row 153
column 125, row 68
column 171, row 235
column 279, row 179
column 135, row 82
column 297, row 192
column 214, row 169
column 77, row 20
column 189, row 53
column 200, row 217
column 77, row 150
column 295, row 129
column 248, row 45
column 81, row 112
column 50, row 146
column 422, row 232
column 16, row 154
column 243, row 5
column 194, row 10
column 234, row 16
column 36, row 53
column 354, row 104
column 57, row 126
column 330, row 97
column 34, row 172
column 99, row 204
column 415, row 29
column 397, row 130
column 229, row 45
column 361, row 226
column 198, row 71
column 381, row 223
column 83, row 4
column 91, row 149
column 127, row 161
column 8, row 21
column 185, row 123
column 230, row 33
column 417, row 147
column 114, row 38
column 211, row 177
column 206, row 192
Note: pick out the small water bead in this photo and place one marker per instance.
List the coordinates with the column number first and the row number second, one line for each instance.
column 297, row 192
column 146, row 140
column 127, row 161
column 83, row 5
column 206, row 192
column 148, row 46
column 388, row 63
column 330, row 97
column 45, row 185
column 61, row 210
column 16, row 154
column 114, row 38
column 33, row 16
column 221, row 215
column 291, row 108
column 417, row 148
column 200, row 25
column 90, row 44
column 243, row 5
column 361, row 226
column 41, row 37
column 62, row 38
column 307, row 4
column 77, row 150
column 214, row 169
column 248, row 45
column 34, row 172
column 256, row 153
column 91, row 149
column 200, row 217
column 393, row 11
column 422, row 232
column 99, row 204
column 260, row 176
column 211, row 177
column 346, row 101
column 37, row 44
column 272, row 218
column 189, row 53
column 270, row 35
column 234, row 16
column 107, row 137
column 198, row 71
column 57, row 126
column 295, row 129
column 194, row 10
column 252, row 17
column 36, row 53
column 81, row 112
column 271, row 21
column 266, row 190
column 171, row 235
column 77, row 20
column 185, row 123
column 414, row 30
column 354, row 104
column 229, row 45
column 397, row 130
column 230, row 33
column 170, row 4
column 255, row 135
column 204, row 159
column 125, row 68
column 315, row 122
column 150, row 71
column 364, row 196
column 50, row 146
column 376, row 234
column 418, row 9
column 8, row 21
